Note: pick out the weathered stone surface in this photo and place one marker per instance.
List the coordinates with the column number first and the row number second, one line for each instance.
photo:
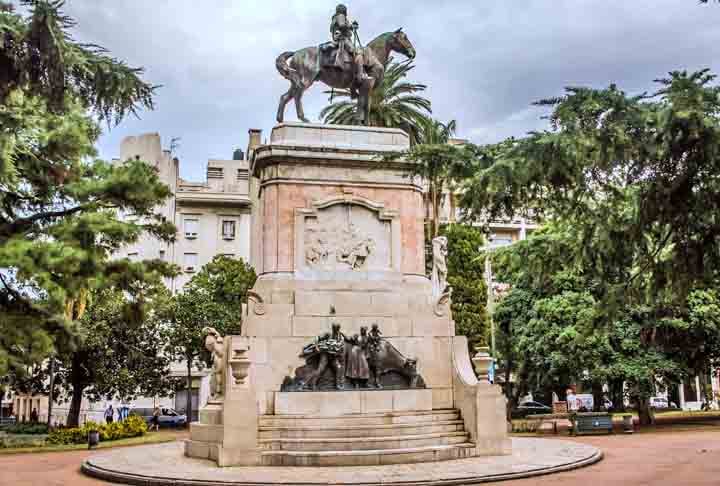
column 335, row 404
column 165, row 464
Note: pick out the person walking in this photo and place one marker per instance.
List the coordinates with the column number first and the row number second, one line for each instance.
column 109, row 412
column 155, row 419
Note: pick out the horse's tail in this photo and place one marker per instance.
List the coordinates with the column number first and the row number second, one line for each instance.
column 281, row 63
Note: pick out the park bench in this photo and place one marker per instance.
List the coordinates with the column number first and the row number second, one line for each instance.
column 591, row 423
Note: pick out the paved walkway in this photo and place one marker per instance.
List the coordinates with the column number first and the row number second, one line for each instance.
column 689, row 458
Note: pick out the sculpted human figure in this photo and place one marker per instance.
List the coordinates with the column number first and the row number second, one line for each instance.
column 356, row 363
column 342, row 31
column 330, row 351
column 215, row 344
column 439, row 269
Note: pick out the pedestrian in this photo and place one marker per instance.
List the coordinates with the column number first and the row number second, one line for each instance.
column 34, row 416
column 156, row 419
column 109, row 412
column 572, row 401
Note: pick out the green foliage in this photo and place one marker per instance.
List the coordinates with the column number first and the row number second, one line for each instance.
column 25, row 428
column 465, row 276
column 133, row 426
column 60, row 210
column 212, row 298
column 635, row 177
column 394, row 103
column 438, row 164
column 120, row 351
column 38, row 55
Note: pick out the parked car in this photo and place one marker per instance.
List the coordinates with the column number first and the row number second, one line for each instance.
column 659, row 402
column 168, row 416
column 530, row 408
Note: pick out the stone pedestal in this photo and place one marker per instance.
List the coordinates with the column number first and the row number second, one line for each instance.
column 338, row 236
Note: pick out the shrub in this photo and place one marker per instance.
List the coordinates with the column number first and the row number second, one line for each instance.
column 26, row 428
column 133, row 426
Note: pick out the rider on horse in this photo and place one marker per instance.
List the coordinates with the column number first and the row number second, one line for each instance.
column 342, row 31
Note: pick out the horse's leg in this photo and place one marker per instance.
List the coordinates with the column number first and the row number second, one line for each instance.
column 284, row 99
column 297, row 95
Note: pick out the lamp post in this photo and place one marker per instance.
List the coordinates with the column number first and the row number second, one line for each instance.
column 490, row 301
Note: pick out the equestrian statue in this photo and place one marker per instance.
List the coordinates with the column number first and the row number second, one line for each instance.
column 342, row 63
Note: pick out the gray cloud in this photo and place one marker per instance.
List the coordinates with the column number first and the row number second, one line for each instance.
column 484, row 62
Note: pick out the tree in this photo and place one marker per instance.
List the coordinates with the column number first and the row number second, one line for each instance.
column 554, row 331
column 465, row 276
column 60, row 210
column 120, row 353
column 213, row 298
column 394, row 103
column 438, row 165
column 636, row 176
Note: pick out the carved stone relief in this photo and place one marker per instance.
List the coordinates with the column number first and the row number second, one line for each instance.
column 347, row 237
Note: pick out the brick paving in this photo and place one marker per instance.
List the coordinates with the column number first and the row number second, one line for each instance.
column 689, row 458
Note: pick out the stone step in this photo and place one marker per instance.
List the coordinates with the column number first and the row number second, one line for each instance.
column 360, row 431
column 440, row 415
column 366, row 443
column 368, row 457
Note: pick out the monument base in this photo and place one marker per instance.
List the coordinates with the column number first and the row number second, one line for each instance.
column 339, row 403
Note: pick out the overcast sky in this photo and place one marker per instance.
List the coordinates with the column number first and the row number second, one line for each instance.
column 485, row 61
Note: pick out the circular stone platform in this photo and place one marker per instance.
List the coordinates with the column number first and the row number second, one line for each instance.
column 165, row 464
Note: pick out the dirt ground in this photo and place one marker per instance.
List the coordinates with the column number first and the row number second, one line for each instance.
column 663, row 458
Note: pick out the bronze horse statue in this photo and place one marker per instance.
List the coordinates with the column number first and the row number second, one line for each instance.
column 303, row 68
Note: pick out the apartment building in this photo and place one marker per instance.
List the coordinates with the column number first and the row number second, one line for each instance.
column 212, row 216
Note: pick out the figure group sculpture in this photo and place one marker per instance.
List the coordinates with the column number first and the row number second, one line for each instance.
column 342, row 63
column 335, row 361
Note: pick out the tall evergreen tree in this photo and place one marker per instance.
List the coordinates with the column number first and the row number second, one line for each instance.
column 60, row 208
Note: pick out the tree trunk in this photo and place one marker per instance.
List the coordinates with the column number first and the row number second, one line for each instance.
column 188, row 396
column 617, row 395
column 78, row 380
column 73, row 419
column 598, row 401
column 435, row 210
column 705, row 390
column 645, row 413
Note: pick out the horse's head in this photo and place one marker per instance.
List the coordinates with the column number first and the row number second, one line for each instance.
column 399, row 42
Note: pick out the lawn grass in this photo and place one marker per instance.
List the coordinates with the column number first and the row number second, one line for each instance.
column 149, row 438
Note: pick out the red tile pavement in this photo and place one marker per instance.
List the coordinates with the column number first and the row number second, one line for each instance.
column 687, row 458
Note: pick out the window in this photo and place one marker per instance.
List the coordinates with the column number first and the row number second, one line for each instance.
column 191, row 227
column 190, row 262
column 229, row 255
column 228, row 229
column 162, row 254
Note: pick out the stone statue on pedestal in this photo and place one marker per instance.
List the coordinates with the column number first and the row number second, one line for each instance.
column 215, row 344
column 439, row 268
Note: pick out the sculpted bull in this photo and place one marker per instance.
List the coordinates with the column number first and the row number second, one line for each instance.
column 389, row 368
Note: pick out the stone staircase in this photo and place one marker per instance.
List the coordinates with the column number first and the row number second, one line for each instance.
column 363, row 439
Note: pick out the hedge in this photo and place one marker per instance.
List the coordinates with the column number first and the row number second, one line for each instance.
column 133, row 426
column 25, row 428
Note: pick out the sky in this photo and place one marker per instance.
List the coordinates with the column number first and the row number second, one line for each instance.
column 484, row 61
